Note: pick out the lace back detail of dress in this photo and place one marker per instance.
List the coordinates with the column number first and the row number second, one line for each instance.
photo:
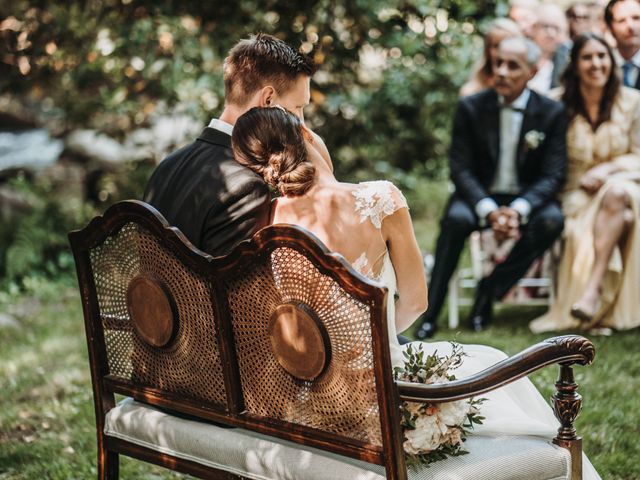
column 376, row 200
column 361, row 265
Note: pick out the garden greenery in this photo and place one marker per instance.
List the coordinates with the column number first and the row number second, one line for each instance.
column 382, row 99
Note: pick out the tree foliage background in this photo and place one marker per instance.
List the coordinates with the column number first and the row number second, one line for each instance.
column 383, row 97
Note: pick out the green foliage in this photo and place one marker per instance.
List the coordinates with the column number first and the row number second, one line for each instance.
column 388, row 80
column 382, row 99
column 35, row 243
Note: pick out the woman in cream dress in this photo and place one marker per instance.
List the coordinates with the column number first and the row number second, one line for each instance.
column 599, row 273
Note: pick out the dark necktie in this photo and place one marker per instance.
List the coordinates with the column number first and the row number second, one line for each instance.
column 627, row 68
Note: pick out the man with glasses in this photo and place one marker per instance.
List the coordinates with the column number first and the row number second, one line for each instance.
column 549, row 32
column 580, row 19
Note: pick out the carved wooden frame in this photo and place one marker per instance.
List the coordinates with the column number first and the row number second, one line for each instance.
column 566, row 350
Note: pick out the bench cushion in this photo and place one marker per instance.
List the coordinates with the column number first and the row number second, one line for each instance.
column 257, row 456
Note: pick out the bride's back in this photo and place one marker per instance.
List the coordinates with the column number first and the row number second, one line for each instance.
column 346, row 217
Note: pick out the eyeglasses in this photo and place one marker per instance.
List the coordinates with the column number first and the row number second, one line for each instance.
column 582, row 18
column 548, row 26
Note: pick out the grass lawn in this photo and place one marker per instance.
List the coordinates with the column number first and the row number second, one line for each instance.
column 47, row 422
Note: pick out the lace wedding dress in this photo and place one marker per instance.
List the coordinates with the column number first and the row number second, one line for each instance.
column 515, row 409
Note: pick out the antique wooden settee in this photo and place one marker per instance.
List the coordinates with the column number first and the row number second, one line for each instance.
column 272, row 363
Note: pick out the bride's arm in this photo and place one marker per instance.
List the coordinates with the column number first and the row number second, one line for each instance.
column 406, row 258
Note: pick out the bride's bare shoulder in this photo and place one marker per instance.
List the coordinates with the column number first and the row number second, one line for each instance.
column 380, row 191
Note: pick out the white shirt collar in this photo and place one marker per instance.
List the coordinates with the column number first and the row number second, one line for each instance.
column 221, row 125
column 520, row 102
column 635, row 60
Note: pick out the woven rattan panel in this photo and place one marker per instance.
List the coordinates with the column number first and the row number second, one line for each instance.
column 343, row 399
column 190, row 364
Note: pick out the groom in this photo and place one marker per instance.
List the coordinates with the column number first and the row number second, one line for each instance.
column 507, row 162
column 200, row 188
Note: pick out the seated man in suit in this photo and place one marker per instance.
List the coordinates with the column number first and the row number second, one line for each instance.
column 200, row 188
column 507, row 162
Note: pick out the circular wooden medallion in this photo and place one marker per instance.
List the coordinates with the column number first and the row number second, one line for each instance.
column 152, row 310
column 299, row 341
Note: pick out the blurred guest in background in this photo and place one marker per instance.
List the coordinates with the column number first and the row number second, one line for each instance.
column 507, row 161
column 596, row 8
column 523, row 12
column 623, row 20
column 580, row 19
column 482, row 76
column 599, row 272
column 549, row 32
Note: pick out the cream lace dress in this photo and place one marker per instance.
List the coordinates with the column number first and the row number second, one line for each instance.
column 515, row 409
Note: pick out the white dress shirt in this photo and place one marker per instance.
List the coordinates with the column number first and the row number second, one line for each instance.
column 221, row 125
column 506, row 177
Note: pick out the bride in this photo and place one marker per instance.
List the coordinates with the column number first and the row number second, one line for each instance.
column 369, row 224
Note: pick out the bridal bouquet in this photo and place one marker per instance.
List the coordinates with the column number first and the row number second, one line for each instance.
column 434, row 431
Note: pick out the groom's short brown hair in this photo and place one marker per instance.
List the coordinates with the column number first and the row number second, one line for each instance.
column 259, row 61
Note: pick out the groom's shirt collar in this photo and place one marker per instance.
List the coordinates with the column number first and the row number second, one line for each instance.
column 223, row 126
column 519, row 103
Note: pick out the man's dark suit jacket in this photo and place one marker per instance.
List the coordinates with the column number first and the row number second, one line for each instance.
column 475, row 148
column 637, row 84
column 211, row 198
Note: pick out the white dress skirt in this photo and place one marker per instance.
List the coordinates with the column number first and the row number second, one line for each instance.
column 514, row 409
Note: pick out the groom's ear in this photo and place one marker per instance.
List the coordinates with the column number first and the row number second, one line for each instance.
column 267, row 95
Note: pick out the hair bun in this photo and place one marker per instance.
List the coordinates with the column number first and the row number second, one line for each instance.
column 298, row 180
column 269, row 141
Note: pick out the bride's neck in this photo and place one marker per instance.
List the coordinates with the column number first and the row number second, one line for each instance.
column 324, row 175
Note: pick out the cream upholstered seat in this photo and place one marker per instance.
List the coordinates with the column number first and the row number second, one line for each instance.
column 252, row 455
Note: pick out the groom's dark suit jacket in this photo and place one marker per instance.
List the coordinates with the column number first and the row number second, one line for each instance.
column 211, row 198
column 475, row 148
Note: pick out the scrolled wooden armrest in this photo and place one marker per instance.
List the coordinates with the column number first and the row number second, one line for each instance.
column 565, row 350
column 566, row 402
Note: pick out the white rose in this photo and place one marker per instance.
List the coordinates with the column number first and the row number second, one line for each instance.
column 426, row 437
column 453, row 413
column 454, row 437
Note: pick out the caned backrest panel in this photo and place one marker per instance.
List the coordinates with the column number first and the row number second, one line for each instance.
column 342, row 400
column 134, row 252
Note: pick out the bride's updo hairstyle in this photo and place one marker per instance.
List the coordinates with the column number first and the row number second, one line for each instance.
column 269, row 141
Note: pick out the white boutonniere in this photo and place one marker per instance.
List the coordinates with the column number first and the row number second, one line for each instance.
column 533, row 139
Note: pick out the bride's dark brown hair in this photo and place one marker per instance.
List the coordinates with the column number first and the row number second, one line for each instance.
column 269, row 141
